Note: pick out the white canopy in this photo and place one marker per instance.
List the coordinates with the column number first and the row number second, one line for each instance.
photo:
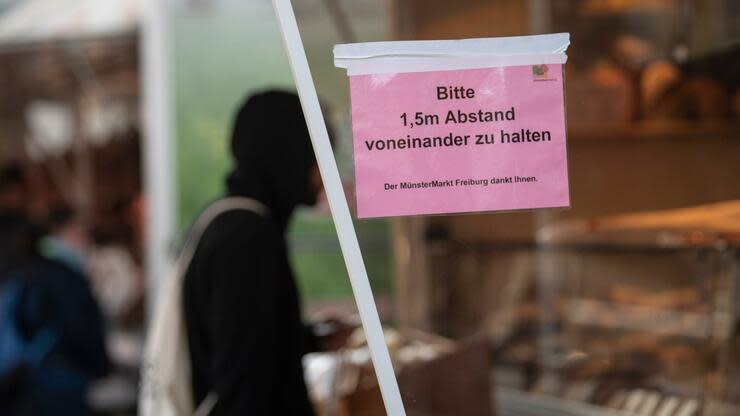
column 44, row 20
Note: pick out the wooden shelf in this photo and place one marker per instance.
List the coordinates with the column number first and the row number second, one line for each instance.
column 654, row 130
column 665, row 322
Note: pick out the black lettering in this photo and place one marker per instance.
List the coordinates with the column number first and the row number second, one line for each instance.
column 455, row 93
column 442, row 93
column 511, row 115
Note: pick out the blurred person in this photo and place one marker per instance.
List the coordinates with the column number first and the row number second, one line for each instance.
column 18, row 236
column 116, row 279
column 67, row 240
column 108, row 267
column 12, row 189
column 51, row 331
column 242, row 310
column 115, row 273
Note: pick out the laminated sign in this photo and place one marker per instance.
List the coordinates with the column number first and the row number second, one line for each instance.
column 458, row 125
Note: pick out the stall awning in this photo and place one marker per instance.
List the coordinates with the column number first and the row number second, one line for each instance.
column 34, row 21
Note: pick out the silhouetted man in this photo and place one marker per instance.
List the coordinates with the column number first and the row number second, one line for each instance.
column 245, row 333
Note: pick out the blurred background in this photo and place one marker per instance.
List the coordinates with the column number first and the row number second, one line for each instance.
column 117, row 114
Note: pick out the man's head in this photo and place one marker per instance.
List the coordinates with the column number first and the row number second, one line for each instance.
column 12, row 188
column 65, row 224
column 272, row 151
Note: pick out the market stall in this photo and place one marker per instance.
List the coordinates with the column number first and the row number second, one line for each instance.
column 619, row 316
column 70, row 104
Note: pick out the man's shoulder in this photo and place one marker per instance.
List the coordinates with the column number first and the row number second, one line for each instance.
column 239, row 225
column 59, row 271
column 49, row 276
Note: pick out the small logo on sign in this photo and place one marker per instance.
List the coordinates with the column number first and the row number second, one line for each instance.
column 539, row 73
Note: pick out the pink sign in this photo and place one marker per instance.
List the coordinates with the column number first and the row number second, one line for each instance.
column 458, row 141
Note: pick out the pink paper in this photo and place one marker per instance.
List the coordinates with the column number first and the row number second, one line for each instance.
column 422, row 163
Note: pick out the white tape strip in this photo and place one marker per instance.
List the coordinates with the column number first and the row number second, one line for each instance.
column 339, row 209
column 445, row 55
column 399, row 65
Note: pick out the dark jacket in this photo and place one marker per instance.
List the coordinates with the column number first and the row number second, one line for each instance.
column 242, row 310
column 18, row 242
column 58, row 301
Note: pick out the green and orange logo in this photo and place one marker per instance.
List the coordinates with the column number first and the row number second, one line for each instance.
column 539, row 72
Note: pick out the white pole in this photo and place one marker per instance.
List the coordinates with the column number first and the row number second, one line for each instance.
column 339, row 209
column 157, row 146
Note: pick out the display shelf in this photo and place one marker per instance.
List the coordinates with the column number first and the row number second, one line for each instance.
column 664, row 322
column 654, row 130
column 655, row 318
column 513, row 402
column 714, row 226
